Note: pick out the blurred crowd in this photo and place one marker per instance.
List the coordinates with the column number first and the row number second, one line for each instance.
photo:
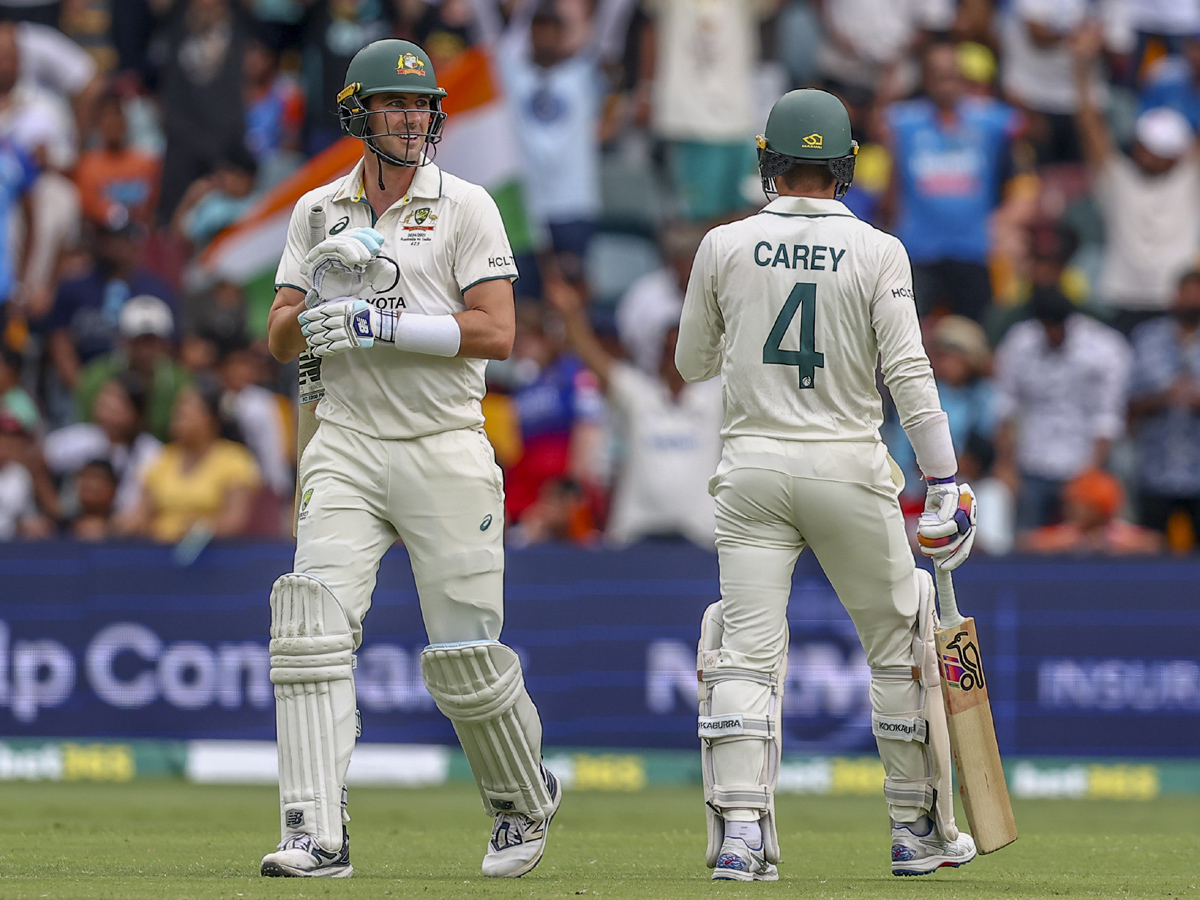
column 1038, row 158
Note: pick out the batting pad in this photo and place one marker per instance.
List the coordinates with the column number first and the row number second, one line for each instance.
column 909, row 724
column 479, row 687
column 740, row 739
column 316, row 720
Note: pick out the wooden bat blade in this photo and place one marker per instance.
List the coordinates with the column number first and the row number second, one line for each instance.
column 973, row 738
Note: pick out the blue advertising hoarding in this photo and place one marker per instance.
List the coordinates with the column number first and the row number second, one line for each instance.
column 1083, row 657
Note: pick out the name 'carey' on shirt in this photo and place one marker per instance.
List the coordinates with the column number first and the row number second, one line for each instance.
column 798, row 256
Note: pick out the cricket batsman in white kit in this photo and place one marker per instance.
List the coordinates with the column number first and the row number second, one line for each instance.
column 793, row 307
column 403, row 293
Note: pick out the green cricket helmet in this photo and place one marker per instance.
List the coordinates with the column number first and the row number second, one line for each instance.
column 807, row 126
column 384, row 67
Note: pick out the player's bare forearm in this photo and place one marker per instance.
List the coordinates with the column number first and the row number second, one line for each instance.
column 1086, row 44
column 235, row 514
column 283, row 331
column 489, row 325
column 584, row 342
column 569, row 303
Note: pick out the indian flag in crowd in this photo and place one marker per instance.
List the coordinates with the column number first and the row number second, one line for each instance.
column 479, row 144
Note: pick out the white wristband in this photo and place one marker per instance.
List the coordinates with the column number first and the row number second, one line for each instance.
column 432, row 335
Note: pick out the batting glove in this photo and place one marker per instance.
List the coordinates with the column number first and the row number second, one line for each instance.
column 349, row 251
column 946, row 529
column 344, row 324
column 333, row 281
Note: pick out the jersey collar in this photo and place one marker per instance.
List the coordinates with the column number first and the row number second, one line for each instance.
column 426, row 185
column 810, row 207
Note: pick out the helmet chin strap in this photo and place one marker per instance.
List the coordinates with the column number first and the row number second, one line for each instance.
column 382, row 157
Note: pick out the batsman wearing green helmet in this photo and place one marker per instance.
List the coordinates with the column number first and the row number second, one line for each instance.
column 793, row 308
column 395, row 288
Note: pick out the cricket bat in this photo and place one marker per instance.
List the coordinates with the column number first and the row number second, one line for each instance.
column 311, row 389
column 972, row 732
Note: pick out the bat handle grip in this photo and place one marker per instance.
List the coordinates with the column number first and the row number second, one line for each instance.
column 948, row 614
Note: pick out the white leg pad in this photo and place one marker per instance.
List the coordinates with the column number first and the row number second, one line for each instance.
column 909, row 724
column 312, row 663
column 479, row 687
column 740, row 738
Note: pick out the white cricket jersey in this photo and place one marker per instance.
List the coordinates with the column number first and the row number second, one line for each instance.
column 672, row 446
column 444, row 236
column 793, row 307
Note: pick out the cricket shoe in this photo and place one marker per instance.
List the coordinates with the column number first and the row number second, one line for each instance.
column 920, row 854
column 738, row 861
column 518, row 841
column 299, row 856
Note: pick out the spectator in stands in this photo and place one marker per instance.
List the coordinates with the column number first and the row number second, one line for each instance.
column 114, row 175
column 202, row 482
column 18, row 172
column 952, row 154
column 962, row 362
column 869, row 43
column 88, row 23
column 14, row 399
column 699, row 69
column 43, row 12
column 670, row 431
column 1061, row 382
column 279, row 23
column 1037, row 73
column 36, row 116
column 115, row 434
column 146, row 328
column 83, row 323
column 97, row 490
column 1169, row 23
column 1150, row 199
column 40, row 123
column 337, row 29
column 215, row 202
column 58, row 64
column 1174, row 82
column 258, row 415
column 443, row 29
column 560, row 411
column 561, row 514
column 652, row 304
column 556, row 95
column 215, row 314
column 200, row 92
column 1164, row 409
column 274, row 115
column 1046, row 255
column 19, row 515
column 1092, row 502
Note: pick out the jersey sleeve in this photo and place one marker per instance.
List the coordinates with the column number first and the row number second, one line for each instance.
column 1112, row 385
column 482, row 252
column 57, row 61
column 906, row 368
column 700, row 348
column 294, row 251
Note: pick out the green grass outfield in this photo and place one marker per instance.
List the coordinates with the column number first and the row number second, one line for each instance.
column 165, row 840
